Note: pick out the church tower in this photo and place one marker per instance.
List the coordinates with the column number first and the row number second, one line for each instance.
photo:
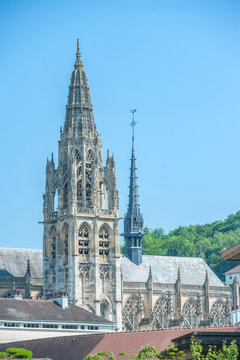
column 81, row 241
column 133, row 220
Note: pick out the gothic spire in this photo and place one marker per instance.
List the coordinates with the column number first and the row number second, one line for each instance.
column 79, row 110
column 133, row 220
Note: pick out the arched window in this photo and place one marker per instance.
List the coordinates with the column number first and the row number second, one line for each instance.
column 53, row 234
column 104, row 240
column 105, row 309
column 79, row 189
column 78, row 156
column 160, row 313
column 83, row 240
column 190, row 312
column 132, row 308
column 218, row 312
column 90, row 155
column 65, row 196
column 65, row 238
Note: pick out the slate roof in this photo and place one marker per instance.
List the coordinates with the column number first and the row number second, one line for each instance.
column 234, row 270
column 78, row 347
column 45, row 310
column 165, row 269
column 13, row 262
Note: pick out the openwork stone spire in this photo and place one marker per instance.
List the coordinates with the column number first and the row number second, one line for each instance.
column 79, row 110
column 133, row 220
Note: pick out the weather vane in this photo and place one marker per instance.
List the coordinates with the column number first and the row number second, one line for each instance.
column 133, row 123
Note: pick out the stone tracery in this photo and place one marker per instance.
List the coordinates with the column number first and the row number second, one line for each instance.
column 190, row 312
column 218, row 313
column 160, row 313
column 133, row 307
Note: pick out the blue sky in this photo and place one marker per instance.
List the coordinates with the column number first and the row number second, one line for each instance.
column 176, row 62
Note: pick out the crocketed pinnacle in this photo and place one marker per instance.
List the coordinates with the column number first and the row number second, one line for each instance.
column 79, row 110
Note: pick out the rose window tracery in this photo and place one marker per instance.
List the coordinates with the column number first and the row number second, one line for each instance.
column 190, row 311
column 104, row 241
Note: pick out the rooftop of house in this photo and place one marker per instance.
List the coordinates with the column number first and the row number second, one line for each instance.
column 78, row 347
column 232, row 253
column 234, row 270
column 46, row 310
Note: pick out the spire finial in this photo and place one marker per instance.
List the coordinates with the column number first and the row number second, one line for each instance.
column 78, row 62
column 133, row 124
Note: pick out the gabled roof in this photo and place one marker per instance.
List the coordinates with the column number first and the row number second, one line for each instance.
column 78, row 347
column 45, row 310
column 234, row 270
column 165, row 270
column 13, row 262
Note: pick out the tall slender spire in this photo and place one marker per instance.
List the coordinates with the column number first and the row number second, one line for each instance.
column 133, row 220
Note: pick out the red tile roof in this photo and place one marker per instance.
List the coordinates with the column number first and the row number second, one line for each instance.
column 234, row 270
column 78, row 347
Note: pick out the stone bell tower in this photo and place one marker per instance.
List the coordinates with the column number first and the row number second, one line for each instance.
column 81, row 240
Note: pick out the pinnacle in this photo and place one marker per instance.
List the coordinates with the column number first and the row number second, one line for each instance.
column 78, row 63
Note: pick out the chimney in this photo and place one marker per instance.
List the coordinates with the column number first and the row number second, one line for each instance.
column 61, row 298
column 18, row 295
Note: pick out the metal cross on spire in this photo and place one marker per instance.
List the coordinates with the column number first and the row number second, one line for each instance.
column 133, row 123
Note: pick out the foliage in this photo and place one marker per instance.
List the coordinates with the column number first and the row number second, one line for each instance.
column 16, row 353
column 206, row 241
column 229, row 352
column 147, row 352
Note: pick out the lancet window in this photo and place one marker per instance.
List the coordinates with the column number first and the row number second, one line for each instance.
column 65, row 196
column 218, row 313
column 104, row 241
column 65, row 239
column 90, row 155
column 190, row 312
column 78, row 156
column 160, row 313
column 105, row 309
column 53, row 241
column 83, row 240
column 79, row 189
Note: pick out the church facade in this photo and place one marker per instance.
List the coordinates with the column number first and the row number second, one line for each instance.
column 81, row 243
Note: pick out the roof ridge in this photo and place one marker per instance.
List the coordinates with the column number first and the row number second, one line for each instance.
column 3, row 248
